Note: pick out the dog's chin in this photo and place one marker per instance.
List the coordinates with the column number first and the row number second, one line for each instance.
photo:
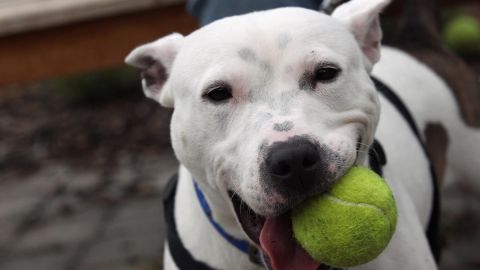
column 274, row 237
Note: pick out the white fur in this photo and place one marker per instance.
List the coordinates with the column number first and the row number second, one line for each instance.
column 432, row 102
column 262, row 56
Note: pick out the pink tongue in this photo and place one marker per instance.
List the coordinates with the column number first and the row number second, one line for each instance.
column 276, row 239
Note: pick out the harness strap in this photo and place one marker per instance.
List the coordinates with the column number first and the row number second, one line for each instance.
column 180, row 255
column 376, row 157
column 433, row 223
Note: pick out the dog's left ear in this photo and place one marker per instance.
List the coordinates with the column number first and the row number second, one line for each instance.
column 155, row 60
column 362, row 19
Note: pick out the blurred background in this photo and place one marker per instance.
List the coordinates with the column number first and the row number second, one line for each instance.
column 84, row 156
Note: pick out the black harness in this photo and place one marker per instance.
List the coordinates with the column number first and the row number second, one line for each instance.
column 433, row 223
column 185, row 261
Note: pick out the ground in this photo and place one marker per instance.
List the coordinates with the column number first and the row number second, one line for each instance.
column 81, row 181
column 81, row 184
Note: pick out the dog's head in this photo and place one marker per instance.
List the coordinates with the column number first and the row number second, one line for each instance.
column 270, row 107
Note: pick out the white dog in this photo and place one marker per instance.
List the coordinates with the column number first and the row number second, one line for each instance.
column 273, row 107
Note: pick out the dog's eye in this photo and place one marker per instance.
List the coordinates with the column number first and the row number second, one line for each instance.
column 219, row 93
column 326, row 74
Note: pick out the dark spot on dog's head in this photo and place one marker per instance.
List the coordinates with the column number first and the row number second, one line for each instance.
column 247, row 55
column 307, row 81
column 283, row 39
column 262, row 148
column 267, row 67
column 222, row 119
column 184, row 139
column 283, row 127
column 289, row 69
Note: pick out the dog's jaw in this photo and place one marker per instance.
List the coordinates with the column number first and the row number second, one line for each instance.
column 274, row 237
column 267, row 222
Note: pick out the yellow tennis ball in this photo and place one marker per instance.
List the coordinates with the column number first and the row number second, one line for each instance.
column 462, row 34
column 351, row 224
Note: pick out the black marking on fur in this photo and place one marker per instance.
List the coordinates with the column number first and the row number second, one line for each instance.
column 263, row 148
column 247, row 55
column 267, row 67
column 283, row 127
column 307, row 81
column 283, row 40
column 289, row 69
column 184, row 139
column 222, row 119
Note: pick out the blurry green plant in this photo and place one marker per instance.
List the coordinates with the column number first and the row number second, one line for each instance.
column 99, row 86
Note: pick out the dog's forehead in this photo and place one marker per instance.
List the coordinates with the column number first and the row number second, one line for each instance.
column 266, row 30
column 261, row 46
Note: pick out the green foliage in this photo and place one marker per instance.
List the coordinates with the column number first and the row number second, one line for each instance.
column 99, row 86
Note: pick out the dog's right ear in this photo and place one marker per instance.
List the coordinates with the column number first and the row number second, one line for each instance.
column 361, row 17
column 156, row 59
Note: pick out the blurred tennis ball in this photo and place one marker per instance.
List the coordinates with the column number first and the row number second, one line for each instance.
column 462, row 34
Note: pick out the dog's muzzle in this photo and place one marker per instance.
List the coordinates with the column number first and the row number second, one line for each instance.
column 291, row 171
column 293, row 167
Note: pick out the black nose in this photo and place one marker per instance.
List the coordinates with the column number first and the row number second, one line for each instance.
column 294, row 165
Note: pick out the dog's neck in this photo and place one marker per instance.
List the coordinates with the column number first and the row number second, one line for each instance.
column 199, row 236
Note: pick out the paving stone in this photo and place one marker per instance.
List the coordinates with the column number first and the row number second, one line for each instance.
column 138, row 215
column 7, row 229
column 67, row 231
column 82, row 237
column 123, row 180
column 30, row 191
column 81, row 182
column 159, row 169
column 130, row 249
column 14, row 210
column 74, row 197
column 43, row 261
column 154, row 264
column 19, row 199
column 50, row 175
column 133, row 235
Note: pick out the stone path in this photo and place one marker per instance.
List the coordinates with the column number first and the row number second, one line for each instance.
column 69, row 219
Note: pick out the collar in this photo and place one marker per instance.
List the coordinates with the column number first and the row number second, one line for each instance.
column 240, row 244
column 182, row 258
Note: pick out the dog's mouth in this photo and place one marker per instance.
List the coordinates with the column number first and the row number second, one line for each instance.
column 274, row 236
